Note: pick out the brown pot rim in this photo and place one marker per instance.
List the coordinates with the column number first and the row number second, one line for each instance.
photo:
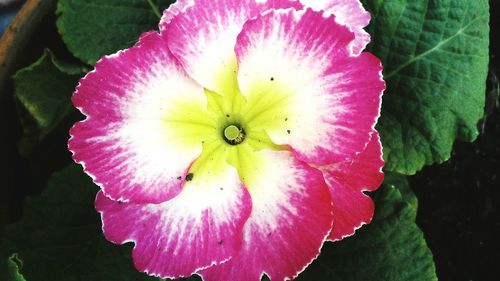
column 17, row 35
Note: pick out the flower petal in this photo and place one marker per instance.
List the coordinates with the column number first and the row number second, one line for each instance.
column 291, row 218
column 199, row 228
column 145, row 123
column 350, row 13
column 347, row 181
column 303, row 86
column 203, row 36
column 173, row 10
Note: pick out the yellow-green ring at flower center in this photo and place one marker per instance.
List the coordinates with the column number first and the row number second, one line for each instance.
column 234, row 134
column 231, row 132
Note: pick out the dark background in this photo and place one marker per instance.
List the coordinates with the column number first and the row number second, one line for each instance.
column 459, row 201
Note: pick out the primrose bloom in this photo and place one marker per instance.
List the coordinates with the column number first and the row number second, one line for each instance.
column 236, row 140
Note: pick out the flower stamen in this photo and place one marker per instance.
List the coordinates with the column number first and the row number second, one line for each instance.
column 234, row 134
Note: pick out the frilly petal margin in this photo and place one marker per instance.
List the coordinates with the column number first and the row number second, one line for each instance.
column 350, row 13
column 321, row 100
column 203, row 35
column 199, row 228
column 130, row 143
column 173, row 10
column 347, row 181
column 290, row 220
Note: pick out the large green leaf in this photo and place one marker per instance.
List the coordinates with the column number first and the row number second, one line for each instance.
column 93, row 28
column 435, row 55
column 44, row 92
column 60, row 237
column 401, row 183
column 391, row 248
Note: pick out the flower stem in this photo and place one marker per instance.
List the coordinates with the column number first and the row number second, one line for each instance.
column 155, row 8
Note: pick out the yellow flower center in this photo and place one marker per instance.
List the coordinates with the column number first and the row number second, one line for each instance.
column 234, row 134
column 231, row 127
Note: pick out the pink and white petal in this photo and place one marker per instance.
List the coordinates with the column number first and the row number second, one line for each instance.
column 201, row 227
column 364, row 172
column 173, row 10
column 136, row 142
column 350, row 13
column 290, row 220
column 304, row 87
column 347, row 181
column 203, row 36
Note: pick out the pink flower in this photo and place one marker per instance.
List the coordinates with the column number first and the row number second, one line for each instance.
column 236, row 141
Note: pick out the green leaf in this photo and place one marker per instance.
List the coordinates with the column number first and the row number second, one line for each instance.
column 44, row 91
column 60, row 237
column 14, row 265
column 435, row 55
column 401, row 183
column 391, row 248
column 93, row 28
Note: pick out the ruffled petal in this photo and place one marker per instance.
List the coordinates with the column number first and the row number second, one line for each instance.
column 305, row 88
column 199, row 228
column 173, row 10
column 146, row 120
column 203, row 36
column 347, row 181
column 350, row 13
column 291, row 218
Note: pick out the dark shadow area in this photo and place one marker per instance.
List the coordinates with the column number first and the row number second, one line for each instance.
column 27, row 175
